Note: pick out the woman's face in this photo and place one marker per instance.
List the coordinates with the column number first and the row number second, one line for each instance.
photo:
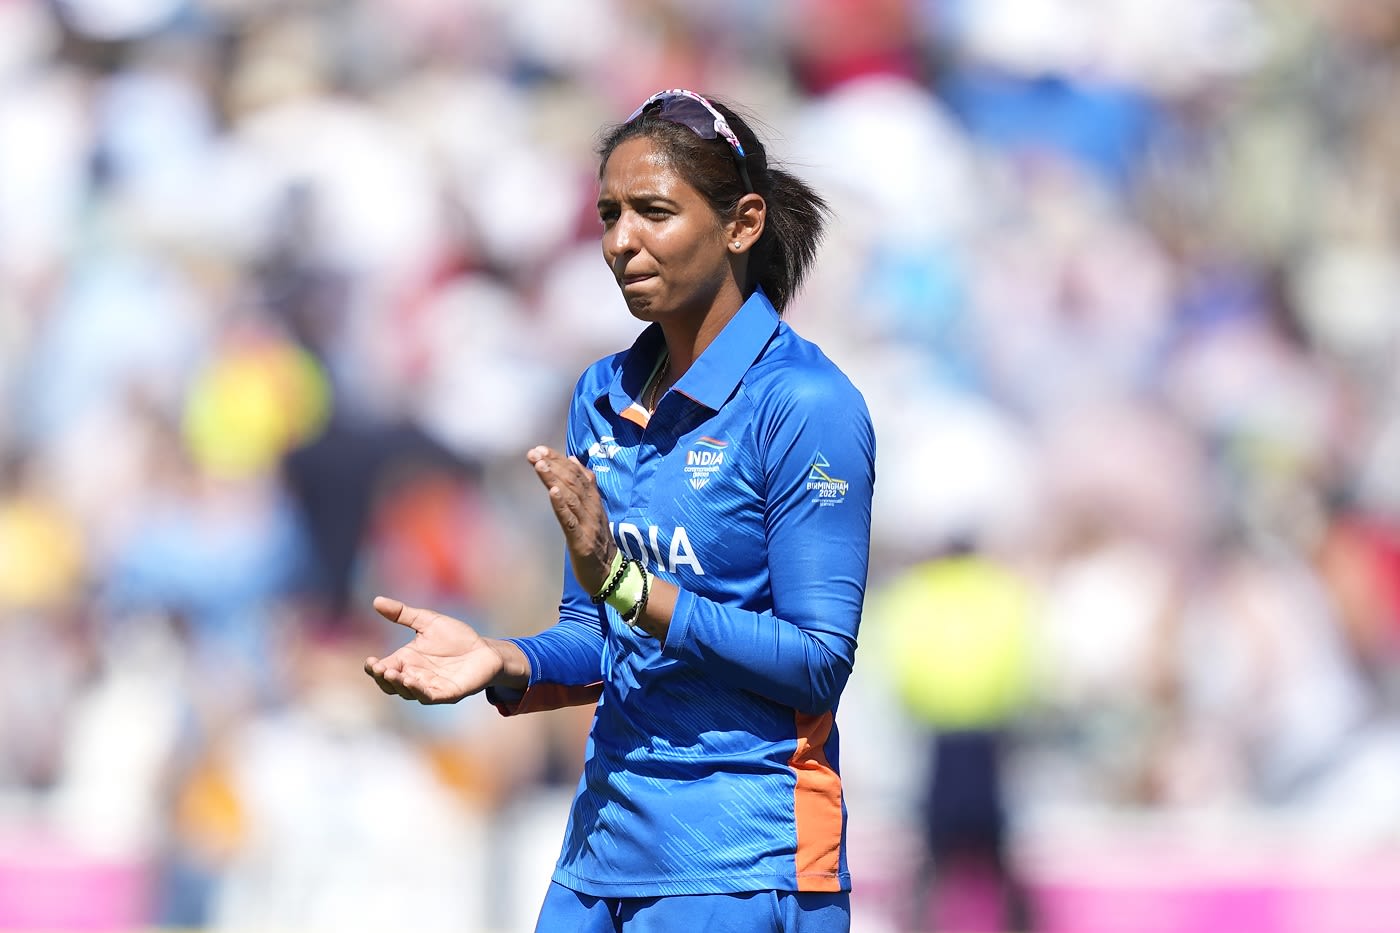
column 665, row 245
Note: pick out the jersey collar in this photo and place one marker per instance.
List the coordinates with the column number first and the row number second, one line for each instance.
column 712, row 378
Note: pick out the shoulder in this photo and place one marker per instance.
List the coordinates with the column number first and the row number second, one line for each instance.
column 794, row 376
column 801, row 399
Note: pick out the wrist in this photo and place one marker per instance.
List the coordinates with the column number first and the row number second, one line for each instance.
column 617, row 571
column 629, row 596
column 515, row 665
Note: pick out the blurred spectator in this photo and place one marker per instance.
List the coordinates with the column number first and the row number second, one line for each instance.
column 338, row 480
column 328, row 776
column 41, row 549
column 955, row 630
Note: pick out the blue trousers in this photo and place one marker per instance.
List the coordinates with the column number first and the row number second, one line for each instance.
column 567, row 911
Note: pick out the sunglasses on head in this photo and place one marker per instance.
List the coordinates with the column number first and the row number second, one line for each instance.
column 696, row 113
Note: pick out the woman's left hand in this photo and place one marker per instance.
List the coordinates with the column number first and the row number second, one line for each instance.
column 573, row 493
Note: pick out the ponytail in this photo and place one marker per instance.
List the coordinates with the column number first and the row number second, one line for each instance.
column 796, row 221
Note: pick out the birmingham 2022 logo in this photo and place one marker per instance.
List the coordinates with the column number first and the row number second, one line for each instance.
column 829, row 490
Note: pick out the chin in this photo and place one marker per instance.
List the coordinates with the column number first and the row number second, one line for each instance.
column 641, row 308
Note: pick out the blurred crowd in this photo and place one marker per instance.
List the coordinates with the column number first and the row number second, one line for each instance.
column 288, row 288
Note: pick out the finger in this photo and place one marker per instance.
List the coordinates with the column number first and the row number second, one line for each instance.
column 377, row 667
column 573, row 468
column 370, row 669
column 395, row 611
column 381, row 680
column 548, row 461
column 545, row 475
column 580, row 481
column 577, row 506
column 384, row 687
column 408, row 686
column 397, row 682
column 569, row 475
column 565, row 496
column 566, row 511
column 423, row 688
column 588, row 475
column 548, row 465
column 432, row 690
column 562, row 484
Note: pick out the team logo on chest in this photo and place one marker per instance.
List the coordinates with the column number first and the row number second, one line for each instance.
column 703, row 460
column 605, row 448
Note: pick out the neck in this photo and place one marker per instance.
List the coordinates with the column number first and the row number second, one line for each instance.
column 657, row 385
column 686, row 340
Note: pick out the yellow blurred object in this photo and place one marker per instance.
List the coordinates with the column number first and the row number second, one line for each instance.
column 41, row 555
column 208, row 813
column 252, row 405
column 957, row 638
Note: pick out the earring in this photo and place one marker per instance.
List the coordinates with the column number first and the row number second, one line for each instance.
column 737, row 244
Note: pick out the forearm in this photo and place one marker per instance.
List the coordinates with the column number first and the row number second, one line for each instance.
column 802, row 667
column 655, row 616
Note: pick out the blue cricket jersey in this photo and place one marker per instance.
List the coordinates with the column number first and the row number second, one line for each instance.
column 712, row 764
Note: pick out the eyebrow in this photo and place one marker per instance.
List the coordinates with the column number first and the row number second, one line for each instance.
column 645, row 197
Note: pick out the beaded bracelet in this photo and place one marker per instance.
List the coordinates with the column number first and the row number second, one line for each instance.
column 632, row 615
column 625, row 596
column 619, row 570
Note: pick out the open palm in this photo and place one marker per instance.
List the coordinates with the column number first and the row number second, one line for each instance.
column 446, row 660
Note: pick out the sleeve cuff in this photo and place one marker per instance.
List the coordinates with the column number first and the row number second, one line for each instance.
column 678, row 632
column 542, row 696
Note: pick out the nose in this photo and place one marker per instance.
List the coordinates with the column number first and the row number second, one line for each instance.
column 619, row 241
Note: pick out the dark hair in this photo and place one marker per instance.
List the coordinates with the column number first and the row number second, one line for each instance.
column 796, row 214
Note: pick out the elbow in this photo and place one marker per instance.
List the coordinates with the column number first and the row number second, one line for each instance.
column 828, row 680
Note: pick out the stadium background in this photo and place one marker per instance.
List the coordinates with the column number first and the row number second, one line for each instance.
column 287, row 288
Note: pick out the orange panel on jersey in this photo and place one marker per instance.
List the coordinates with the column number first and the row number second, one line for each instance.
column 818, row 807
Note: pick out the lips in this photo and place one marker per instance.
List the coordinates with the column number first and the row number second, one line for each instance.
column 627, row 280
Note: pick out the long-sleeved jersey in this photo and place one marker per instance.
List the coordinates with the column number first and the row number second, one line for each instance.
column 712, row 763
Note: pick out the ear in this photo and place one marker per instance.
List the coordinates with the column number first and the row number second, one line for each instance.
column 746, row 226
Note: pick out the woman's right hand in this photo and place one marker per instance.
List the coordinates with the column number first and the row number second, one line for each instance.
column 446, row 660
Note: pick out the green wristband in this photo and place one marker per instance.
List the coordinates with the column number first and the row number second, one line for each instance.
column 629, row 591
column 613, row 578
